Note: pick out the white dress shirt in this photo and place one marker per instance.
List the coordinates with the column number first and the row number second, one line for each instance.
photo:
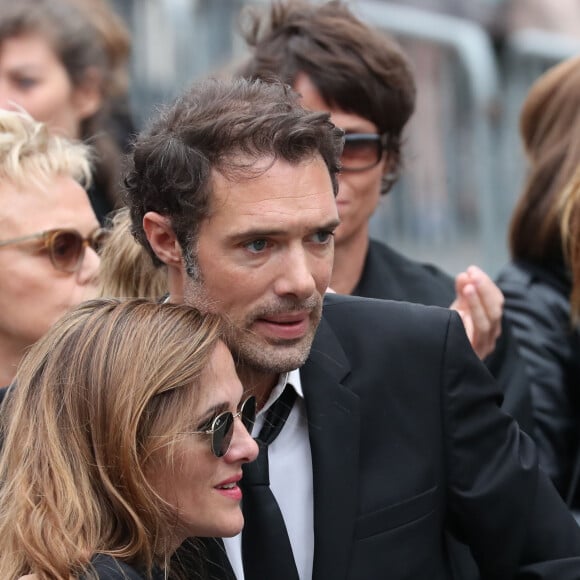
column 290, row 481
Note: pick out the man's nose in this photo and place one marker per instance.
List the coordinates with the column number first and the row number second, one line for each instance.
column 296, row 275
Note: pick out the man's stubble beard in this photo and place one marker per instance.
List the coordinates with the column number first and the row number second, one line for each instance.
column 250, row 350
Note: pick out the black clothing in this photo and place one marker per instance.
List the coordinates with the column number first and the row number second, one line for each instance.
column 538, row 308
column 407, row 442
column 109, row 568
column 3, row 391
column 392, row 276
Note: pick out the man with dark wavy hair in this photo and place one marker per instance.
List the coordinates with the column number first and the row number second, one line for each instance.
column 379, row 428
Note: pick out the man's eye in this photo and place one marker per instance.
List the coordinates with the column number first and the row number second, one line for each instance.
column 323, row 237
column 257, row 246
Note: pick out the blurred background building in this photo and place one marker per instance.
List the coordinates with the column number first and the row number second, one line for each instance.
column 474, row 62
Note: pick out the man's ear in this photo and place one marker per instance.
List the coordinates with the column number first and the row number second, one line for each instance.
column 162, row 238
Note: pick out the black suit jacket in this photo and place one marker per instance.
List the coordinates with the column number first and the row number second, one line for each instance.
column 407, row 442
column 108, row 568
column 392, row 276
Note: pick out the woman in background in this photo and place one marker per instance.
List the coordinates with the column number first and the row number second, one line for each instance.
column 49, row 235
column 537, row 283
column 126, row 434
column 65, row 63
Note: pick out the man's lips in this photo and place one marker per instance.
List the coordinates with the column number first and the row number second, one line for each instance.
column 291, row 325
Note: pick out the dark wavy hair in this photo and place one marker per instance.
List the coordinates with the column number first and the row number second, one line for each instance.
column 225, row 126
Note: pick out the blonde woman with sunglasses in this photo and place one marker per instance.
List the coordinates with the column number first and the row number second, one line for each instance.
column 49, row 234
column 126, row 435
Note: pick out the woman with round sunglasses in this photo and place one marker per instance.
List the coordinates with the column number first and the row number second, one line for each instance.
column 49, row 235
column 126, row 434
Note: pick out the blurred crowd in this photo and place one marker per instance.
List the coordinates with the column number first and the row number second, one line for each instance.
column 102, row 363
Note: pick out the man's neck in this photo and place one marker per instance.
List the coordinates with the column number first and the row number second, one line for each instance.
column 349, row 261
column 258, row 383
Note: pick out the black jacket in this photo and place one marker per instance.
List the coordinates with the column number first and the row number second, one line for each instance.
column 538, row 308
column 109, row 568
column 407, row 441
column 390, row 275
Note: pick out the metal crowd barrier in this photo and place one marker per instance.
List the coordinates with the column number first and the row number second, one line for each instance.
column 453, row 202
column 527, row 54
column 175, row 42
column 472, row 86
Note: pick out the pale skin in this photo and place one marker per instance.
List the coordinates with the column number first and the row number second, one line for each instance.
column 265, row 254
column 478, row 301
column 203, row 510
column 195, row 472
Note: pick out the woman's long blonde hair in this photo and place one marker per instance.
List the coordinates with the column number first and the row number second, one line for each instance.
column 77, row 434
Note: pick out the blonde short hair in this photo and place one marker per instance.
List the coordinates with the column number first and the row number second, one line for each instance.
column 29, row 152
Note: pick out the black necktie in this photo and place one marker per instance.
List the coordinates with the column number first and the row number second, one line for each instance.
column 266, row 550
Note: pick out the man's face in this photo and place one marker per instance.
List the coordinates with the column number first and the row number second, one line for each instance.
column 264, row 258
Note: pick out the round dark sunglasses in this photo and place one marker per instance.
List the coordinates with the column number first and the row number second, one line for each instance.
column 221, row 428
column 66, row 247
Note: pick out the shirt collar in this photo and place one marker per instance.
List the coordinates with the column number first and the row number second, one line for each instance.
column 293, row 379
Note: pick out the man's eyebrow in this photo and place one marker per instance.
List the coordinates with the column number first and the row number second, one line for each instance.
column 257, row 232
column 331, row 225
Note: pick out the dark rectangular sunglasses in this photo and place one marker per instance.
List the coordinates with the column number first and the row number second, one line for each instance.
column 362, row 151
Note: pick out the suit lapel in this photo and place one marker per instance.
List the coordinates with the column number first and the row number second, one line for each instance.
column 333, row 419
